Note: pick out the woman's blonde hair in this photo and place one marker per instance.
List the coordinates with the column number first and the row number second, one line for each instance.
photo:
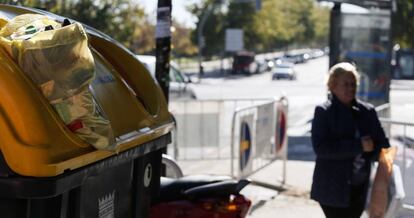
column 338, row 70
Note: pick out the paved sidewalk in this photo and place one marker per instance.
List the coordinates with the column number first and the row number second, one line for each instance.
column 293, row 202
column 288, row 207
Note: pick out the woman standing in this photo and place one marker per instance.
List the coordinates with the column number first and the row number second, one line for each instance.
column 346, row 137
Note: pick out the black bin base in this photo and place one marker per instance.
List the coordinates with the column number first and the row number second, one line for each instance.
column 120, row 186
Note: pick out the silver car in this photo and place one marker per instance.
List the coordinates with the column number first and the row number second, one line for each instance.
column 284, row 71
column 180, row 84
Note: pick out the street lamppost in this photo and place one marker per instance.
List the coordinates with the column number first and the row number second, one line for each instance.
column 201, row 39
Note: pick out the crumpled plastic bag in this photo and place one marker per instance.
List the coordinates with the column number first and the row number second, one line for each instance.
column 379, row 194
column 26, row 25
column 57, row 59
column 3, row 21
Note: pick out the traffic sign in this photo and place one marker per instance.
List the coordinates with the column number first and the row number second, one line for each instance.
column 280, row 136
column 234, row 40
column 245, row 145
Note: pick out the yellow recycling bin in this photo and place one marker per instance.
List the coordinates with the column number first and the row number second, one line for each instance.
column 47, row 170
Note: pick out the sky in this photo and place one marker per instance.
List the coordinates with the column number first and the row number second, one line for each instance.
column 179, row 11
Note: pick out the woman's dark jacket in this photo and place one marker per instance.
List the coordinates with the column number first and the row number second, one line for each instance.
column 336, row 132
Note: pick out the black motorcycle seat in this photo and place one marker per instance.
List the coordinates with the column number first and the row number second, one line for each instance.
column 221, row 189
column 173, row 189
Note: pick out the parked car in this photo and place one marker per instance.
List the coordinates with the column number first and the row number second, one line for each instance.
column 263, row 66
column 270, row 63
column 298, row 56
column 284, row 71
column 317, row 53
column 244, row 62
column 180, row 84
column 283, row 60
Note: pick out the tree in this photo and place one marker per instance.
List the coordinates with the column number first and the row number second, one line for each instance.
column 241, row 16
column 181, row 41
column 284, row 22
column 142, row 40
column 213, row 30
column 403, row 22
column 278, row 24
column 320, row 17
column 272, row 27
column 123, row 20
column 120, row 19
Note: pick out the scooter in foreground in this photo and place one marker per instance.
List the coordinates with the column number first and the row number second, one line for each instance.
column 200, row 196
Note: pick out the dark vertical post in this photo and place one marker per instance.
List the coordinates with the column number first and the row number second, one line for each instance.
column 163, row 45
column 162, row 53
column 335, row 34
column 390, row 51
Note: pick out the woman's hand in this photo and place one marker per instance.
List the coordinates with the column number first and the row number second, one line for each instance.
column 367, row 143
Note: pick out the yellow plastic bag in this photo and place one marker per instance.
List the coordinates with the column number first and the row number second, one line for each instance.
column 18, row 26
column 379, row 193
column 3, row 21
column 60, row 58
column 59, row 61
column 80, row 115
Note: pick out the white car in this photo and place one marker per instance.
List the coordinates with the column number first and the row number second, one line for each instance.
column 284, row 71
column 180, row 84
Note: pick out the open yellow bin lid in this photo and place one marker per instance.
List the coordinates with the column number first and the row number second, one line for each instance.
column 34, row 140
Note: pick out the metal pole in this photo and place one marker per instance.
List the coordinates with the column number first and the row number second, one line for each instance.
column 162, row 53
column 175, row 138
column 286, row 105
column 233, row 123
column 202, row 140
column 201, row 40
column 334, row 34
column 163, row 45
column 404, row 153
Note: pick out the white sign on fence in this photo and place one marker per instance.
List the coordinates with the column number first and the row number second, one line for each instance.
column 265, row 128
column 234, row 40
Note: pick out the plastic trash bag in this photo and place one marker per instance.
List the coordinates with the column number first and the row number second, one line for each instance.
column 59, row 61
column 379, row 194
column 26, row 25
column 3, row 21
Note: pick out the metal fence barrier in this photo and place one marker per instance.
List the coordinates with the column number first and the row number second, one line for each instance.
column 204, row 127
column 259, row 137
column 401, row 134
column 208, row 131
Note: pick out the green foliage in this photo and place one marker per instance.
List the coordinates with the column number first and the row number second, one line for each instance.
column 123, row 20
column 284, row 22
column 120, row 19
column 213, row 28
column 403, row 23
column 242, row 16
column 278, row 24
column 181, row 41
column 321, row 20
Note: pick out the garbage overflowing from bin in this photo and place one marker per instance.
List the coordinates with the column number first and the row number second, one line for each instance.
column 56, row 57
column 82, row 122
